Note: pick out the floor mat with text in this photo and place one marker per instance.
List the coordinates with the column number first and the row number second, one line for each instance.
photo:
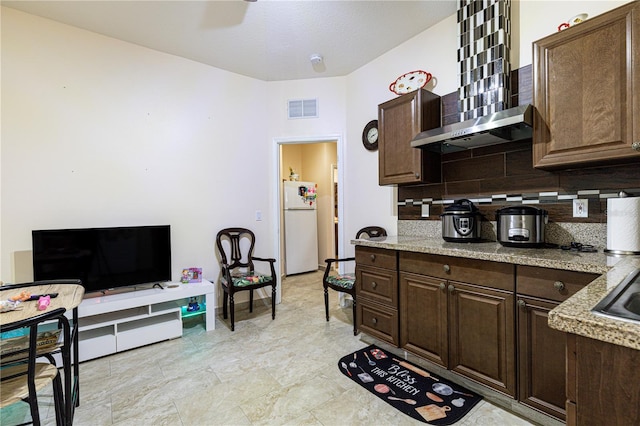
column 407, row 387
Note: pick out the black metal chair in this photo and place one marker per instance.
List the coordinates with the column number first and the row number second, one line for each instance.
column 237, row 269
column 21, row 376
column 70, row 334
column 345, row 283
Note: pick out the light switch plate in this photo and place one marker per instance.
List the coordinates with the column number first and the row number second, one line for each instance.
column 258, row 215
column 580, row 208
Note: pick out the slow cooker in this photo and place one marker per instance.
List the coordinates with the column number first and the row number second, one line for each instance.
column 521, row 226
column 461, row 222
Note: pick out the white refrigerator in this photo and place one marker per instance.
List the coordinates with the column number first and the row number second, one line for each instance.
column 300, row 227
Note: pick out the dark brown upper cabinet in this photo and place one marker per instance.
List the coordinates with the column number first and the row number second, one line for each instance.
column 399, row 121
column 587, row 92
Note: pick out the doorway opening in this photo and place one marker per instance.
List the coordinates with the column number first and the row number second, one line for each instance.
column 312, row 160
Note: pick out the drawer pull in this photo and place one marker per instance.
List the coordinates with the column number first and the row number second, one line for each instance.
column 558, row 285
column 446, row 268
column 522, row 303
column 374, row 284
column 442, row 286
column 374, row 320
column 373, row 257
column 636, row 146
column 451, row 288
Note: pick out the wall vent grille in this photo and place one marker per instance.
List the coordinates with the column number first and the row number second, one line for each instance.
column 302, row 108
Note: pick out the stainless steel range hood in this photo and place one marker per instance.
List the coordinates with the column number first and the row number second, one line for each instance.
column 509, row 125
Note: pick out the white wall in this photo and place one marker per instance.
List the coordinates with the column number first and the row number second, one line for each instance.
column 98, row 132
column 328, row 127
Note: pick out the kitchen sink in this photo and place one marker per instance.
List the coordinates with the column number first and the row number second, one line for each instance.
column 624, row 301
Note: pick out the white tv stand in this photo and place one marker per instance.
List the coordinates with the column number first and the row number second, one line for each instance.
column 116, row 322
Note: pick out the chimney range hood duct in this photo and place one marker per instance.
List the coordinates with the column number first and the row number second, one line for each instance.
column 484, row 49
column 508, row 125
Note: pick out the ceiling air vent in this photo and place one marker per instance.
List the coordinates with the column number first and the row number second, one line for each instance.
column 303, row 108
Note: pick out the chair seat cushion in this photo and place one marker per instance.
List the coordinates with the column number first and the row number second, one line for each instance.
column 243, row 280
column 17, row 389
column 345, row 281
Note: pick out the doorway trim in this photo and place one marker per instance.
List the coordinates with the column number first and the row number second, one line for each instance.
column 277, row 228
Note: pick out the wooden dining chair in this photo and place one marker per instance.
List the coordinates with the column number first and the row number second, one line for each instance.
column 23, row 373
column 346, row 283
column 238, row 272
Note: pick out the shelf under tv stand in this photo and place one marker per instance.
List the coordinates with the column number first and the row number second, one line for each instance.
column 111, row 323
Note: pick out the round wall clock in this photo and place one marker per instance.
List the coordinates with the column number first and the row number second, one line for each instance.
column 370, row 135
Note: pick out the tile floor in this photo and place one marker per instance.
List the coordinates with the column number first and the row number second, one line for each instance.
column 281, row 372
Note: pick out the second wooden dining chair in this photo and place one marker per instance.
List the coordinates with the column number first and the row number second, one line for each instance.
column 238, row 272
column 346, row 283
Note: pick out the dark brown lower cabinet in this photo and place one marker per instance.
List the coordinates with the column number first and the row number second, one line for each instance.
column 542, row 358
column 423, row 317
column 481, row 335
column 465, row 327
column 488, row 321
column 603, row 383
column 541, row 349
column 377, row 293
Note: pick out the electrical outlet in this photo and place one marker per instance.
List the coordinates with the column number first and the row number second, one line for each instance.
column 425, row 210
column 580, row 208
column 258, row 215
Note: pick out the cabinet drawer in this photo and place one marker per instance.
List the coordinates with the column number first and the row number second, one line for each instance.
column 380, row 258
column 482, row 272
column 378, row 321
column 144, row 331
column 377, row 284
column 541, row 282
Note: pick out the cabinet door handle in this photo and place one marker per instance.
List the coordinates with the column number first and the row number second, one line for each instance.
column 373, row 257
column 417, row 175
column 522, row 303
column 636, row 146
column 451, row 288
column 558, row 285
column 374, row 320
column 446, row 268
column 442, row 286
column 374, row 284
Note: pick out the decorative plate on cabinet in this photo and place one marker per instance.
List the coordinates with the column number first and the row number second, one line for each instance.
column 410, row 81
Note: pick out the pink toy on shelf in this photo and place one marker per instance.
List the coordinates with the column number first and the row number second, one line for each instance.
column 43, row 302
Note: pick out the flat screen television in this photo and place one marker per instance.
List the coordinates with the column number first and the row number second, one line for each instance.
column 104, row 258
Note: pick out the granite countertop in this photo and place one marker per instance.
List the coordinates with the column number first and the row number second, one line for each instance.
column 572, row 316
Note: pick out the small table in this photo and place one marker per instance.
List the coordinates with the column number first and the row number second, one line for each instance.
column 69, row 297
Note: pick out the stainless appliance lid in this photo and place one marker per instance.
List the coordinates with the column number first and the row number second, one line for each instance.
column 521, row 210
column 461, row 206
column 509, row 125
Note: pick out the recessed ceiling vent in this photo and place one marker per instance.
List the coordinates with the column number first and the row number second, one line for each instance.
column 302, row 108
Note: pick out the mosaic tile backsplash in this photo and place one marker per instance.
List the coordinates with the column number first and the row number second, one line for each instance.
column 484, row 45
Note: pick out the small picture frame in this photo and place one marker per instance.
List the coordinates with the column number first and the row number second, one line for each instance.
column 191, row 275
